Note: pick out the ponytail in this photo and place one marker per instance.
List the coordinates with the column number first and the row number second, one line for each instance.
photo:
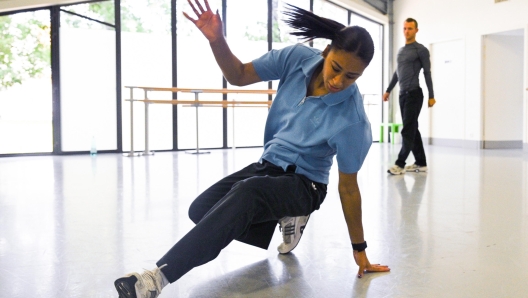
column 310, row 26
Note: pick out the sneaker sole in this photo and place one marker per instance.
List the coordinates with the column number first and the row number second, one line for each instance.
column 417, row 170
column 400, row 173
column 302, row 231
column 125, row 287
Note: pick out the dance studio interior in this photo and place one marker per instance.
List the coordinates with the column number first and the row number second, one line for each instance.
column 115, row 116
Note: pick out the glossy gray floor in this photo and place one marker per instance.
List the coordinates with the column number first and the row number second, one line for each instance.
column 71, row 225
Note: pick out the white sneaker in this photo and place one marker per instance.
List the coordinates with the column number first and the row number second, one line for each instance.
column 292, row 229
column 144, row 285
column 396, row 170
column 416, row 168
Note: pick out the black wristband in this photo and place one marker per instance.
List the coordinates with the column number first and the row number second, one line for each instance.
column 359, row 246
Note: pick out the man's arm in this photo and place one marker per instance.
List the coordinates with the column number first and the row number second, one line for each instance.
column 351, row 204
column 426, row 64
column 391, row 86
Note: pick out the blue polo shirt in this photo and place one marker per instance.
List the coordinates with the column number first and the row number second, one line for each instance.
column 309, row 131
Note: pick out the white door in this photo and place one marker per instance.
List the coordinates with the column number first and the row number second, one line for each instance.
column 446, row 118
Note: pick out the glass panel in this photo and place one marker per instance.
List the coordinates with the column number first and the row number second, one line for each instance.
column 247, row 34
column 100, row 11
column 88, row 77
column 328, row 10
column 146, row 61
column 198, row 69
column 370, row 83
column 25, row 83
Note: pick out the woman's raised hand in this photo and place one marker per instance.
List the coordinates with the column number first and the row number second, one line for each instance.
column 207, row 22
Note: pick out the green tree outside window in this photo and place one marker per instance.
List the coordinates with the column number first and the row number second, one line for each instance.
column 25, row 50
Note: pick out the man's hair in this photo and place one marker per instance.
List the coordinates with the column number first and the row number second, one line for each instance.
column 411, row 20
column 353, row 39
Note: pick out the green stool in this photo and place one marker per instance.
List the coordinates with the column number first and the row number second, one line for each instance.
column 394, row 127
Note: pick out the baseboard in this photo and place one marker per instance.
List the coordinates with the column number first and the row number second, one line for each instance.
column 469, row 144
column 503, row 145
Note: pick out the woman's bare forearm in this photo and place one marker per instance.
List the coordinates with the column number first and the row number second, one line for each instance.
column 235, row 72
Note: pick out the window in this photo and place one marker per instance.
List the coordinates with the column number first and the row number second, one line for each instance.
column 89, row 107
column 370, row 83
column 88, row 77
column 146, row 58
column 247, row 34
column 25, row 83
column 197, row 68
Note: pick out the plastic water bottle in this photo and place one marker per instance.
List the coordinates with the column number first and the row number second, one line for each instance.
column 93, row 148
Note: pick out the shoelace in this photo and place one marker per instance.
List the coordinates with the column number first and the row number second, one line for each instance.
column 150, row 279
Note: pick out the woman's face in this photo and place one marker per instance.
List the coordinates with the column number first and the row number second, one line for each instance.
column 340, row 69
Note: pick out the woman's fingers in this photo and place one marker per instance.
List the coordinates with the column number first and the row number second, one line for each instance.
column 377, row 268
column 207, row 5
column 189, row 18
column 194, row 8
column 200, row 6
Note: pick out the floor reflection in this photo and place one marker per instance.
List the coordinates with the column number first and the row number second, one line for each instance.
column 70, row 225
column 261, row 279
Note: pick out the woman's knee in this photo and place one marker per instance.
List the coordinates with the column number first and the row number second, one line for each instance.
column 197, row 211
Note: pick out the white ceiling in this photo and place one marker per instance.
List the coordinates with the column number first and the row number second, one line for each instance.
column 10, row 5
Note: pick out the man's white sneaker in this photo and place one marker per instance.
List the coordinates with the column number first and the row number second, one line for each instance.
column 292, row 229
column 145, row 285
column 396, row 170
column 416, row 168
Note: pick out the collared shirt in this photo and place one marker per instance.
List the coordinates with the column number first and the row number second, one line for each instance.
column 309, row 131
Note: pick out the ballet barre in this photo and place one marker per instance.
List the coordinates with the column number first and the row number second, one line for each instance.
column 189, row 103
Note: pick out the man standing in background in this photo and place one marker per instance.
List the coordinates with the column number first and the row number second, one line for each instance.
column 411, row 59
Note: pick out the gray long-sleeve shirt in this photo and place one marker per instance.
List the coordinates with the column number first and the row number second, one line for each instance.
column 411, row 58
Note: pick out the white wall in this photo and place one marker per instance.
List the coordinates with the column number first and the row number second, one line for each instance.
column 468, row 20
column 503, row 90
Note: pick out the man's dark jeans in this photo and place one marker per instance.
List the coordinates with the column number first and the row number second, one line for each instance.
column 410, row 105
